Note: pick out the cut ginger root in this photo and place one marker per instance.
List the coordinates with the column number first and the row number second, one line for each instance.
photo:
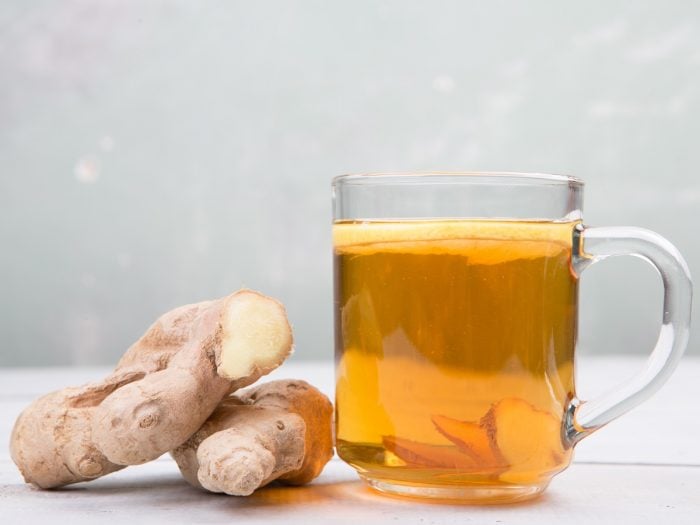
column 472, row 439
column 161, row 392
column 529, row 439
column 279, row 430
column 513, row 437
column 416, row 454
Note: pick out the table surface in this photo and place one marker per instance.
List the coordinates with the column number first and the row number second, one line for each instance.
column 644, row 468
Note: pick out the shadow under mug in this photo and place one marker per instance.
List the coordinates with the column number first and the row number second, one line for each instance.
column 456, row 299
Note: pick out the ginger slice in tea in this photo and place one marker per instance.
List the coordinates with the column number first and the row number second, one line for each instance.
column 415, row 454
column 471, row 438
column 528, row 439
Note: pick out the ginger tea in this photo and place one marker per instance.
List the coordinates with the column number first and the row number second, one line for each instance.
column 454, row 349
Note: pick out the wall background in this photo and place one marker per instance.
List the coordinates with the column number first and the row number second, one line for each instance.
column 158, row 153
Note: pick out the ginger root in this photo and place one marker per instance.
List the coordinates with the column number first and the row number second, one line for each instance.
column 279, row 430
column 162, row 390
column 417, row 454
column 529, row 439
column 513, row 439
column 472, row 439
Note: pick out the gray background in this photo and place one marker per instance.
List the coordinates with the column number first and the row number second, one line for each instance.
column 159, row 153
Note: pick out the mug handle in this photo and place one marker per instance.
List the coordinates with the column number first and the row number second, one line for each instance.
column 592, row 245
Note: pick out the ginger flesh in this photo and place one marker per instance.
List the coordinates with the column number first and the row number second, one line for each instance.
column 279, row 430
column 162, row 390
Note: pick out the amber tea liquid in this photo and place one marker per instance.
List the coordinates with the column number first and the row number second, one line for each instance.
column 454, row 350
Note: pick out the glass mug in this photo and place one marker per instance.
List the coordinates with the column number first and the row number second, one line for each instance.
column 455, row 328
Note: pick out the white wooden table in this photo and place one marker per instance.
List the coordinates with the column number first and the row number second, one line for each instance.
column 643, row 468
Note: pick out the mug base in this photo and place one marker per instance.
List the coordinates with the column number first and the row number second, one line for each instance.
column 476, row 495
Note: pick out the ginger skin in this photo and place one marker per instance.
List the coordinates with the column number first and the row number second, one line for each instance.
column 162, row 390
column 279, row 430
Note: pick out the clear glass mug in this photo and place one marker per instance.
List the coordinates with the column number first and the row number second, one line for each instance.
column 456, row 299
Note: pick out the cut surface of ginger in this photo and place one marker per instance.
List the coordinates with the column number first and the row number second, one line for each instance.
column 256, row 334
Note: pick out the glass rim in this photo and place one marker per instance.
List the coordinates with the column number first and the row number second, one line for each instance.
column 457, row 177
